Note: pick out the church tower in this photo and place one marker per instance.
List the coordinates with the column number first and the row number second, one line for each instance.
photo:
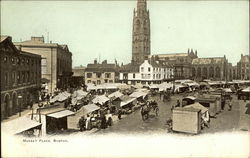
column 141, row 33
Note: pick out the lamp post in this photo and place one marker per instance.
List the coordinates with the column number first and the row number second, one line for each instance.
column 20, row 105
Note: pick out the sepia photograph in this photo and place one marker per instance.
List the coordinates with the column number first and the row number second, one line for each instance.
column 125, row 78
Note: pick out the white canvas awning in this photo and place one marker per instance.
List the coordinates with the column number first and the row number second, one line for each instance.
column 246, row 89
column 137, row 94
column 19, row 125
column 116, row 94
column 100, row 99
column 123, row 103
column 198, row 106
column 61, row 114
column 89, row 108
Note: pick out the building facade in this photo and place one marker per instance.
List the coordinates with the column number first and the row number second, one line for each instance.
column 210, row 68
column 20, row 78
column 234, row 73
column 141, row 33
column 149, row 72
column 99, row 73
column 243, row 68
column 56, row 61
column 78, row 76
column 182, row 62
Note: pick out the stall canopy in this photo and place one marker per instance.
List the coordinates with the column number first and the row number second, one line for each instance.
column 246, row 89
column 228, row 90
column 198, row 106
column 19, row 125
column 100, row 99
column 61, row 114
column 164, row 86
column 126, row 100
column 154, row 86
column 60, row 97
column 138, row 94
column 115, row 95
column 88, row 109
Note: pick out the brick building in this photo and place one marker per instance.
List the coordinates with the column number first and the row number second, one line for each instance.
column 56, row 61
column 20, row 78
column 97, row 73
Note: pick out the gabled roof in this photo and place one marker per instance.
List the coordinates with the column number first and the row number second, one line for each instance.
column 4, row 38
column 100, row 68
column 4, row 43
column 130, row 68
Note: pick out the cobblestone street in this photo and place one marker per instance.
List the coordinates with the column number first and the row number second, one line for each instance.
column 226, row 121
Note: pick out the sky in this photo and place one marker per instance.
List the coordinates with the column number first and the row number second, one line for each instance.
column 103, row 29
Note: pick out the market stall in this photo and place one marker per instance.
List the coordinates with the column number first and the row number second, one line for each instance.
column 244, row 94
column 57, row 121
column 101, row 99
column 21, row 126
column 186, row 120
column 208, row 102
column 188, row 100
column 204, row 111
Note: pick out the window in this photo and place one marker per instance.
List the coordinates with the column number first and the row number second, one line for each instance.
column 98, row 82
column 18, row 61
column 44, row 66
column 133, row 75
column 149, row 69
column 98, row 75
column 5, row 59
column 106, row 81
column 14, row 77
column 89, row 75
column 142, row 69
column 6, row 78
column 89, row 81
column 13, row 61
column 110, row 81
column 107, row 75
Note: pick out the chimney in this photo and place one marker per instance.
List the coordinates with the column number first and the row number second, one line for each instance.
column 95, row 61
column 38, row 39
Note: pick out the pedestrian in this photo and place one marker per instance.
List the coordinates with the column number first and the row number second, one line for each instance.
column 119, row 114
column 88, row 123
column 82, row 123
column 230, row 104
column 47, row 98
column 222, row 102
column 31, row 104
column 103, row 122
column 178, row 103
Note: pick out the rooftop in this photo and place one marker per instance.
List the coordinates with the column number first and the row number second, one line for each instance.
column 216, row 60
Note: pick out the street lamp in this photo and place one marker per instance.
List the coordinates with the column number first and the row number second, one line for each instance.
column 20, row 106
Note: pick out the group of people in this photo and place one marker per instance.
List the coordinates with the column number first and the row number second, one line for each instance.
column 98, row 121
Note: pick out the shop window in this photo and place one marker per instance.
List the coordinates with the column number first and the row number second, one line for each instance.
column 89, row 75
column 107, row 75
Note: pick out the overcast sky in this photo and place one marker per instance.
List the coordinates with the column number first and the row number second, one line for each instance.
column 104, row 28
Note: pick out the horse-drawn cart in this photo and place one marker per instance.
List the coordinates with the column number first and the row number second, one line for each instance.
column 150, row 108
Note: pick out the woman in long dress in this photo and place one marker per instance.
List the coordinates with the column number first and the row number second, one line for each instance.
column 88, row 123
